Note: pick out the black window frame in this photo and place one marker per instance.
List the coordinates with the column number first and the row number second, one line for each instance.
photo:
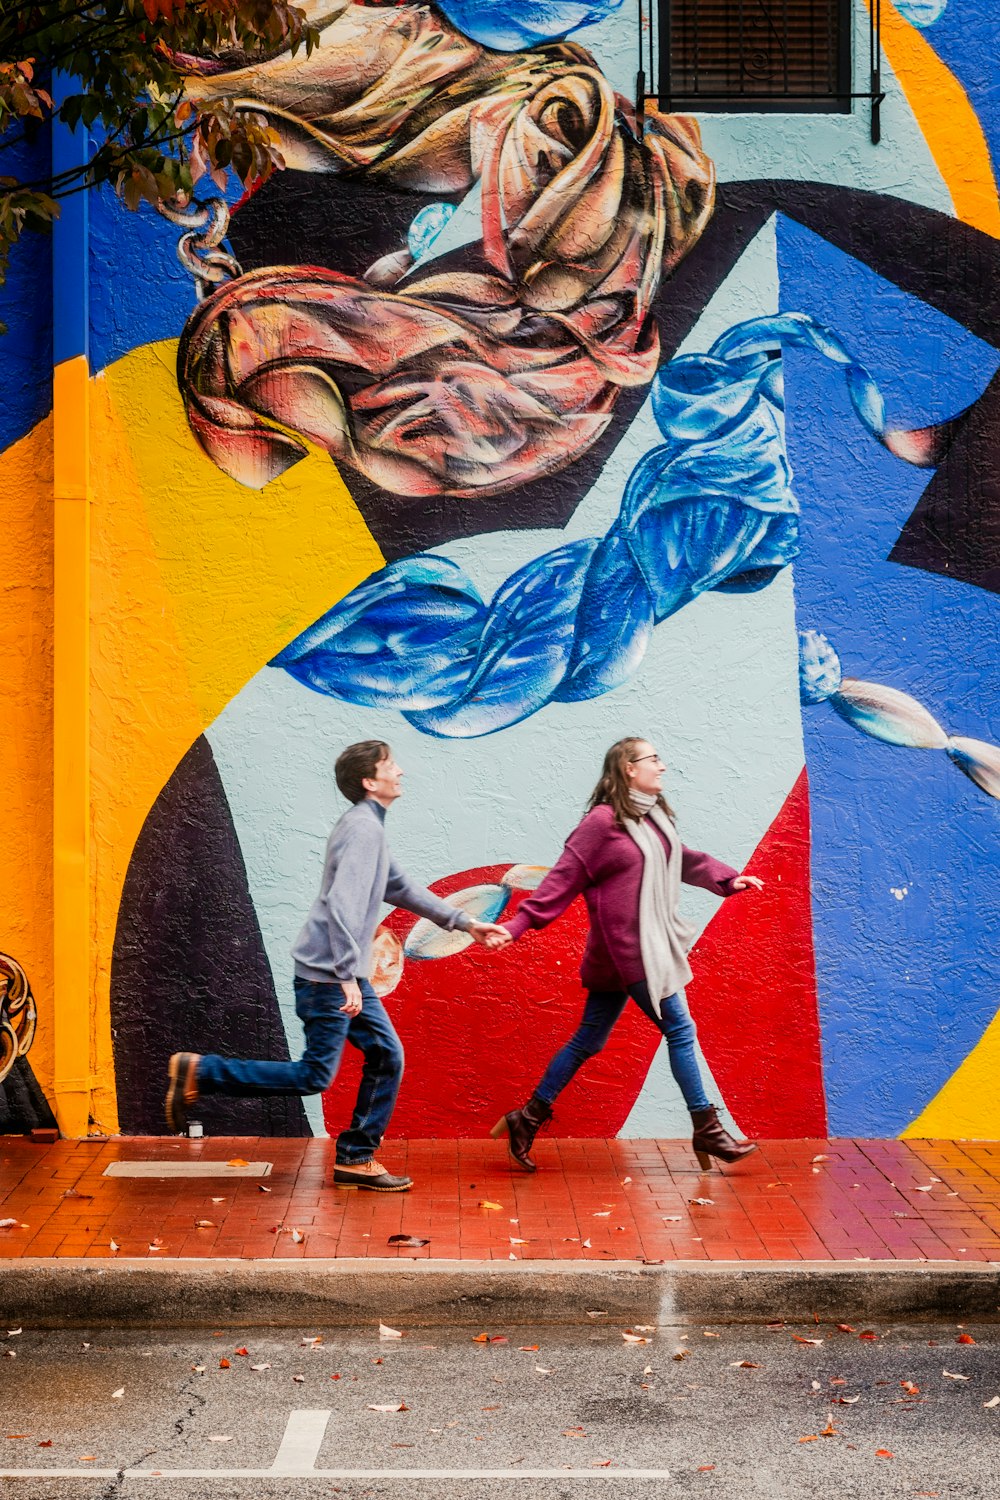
column 655, row 31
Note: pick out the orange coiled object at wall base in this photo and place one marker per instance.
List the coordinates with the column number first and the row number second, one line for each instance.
column 493, row 366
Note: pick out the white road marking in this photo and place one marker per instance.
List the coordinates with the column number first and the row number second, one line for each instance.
column 298, row 1451
column 301, row 1443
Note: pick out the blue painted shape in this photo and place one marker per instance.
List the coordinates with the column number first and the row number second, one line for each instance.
column 70, row 238
column 139, row 290
column 966, row 37
column 906, row 986
column 26, row 310
column 510, row 25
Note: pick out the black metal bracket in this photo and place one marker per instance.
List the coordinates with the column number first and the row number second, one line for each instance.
column 651, row 52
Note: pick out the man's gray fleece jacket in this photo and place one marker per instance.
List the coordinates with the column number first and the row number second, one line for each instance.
column 359, row 875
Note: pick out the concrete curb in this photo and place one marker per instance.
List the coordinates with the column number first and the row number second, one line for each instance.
column 360, row 1293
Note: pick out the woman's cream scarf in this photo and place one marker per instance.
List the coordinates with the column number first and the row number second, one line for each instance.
column 664, row 936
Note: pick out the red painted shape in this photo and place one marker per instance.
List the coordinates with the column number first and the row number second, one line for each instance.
column 479, row 1028
column 753, row 995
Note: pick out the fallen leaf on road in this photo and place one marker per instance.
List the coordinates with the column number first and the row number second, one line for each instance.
column 600, row 1463
column 813, row 1437
column 871, row 1337
column 829, row 1430
column 949, row 1376
column 242, row 1350
column 485, row 1203
column 846, row 1328
column 392, row 1406
column 13, row 1436
column 220, row 1437
column 909, row 1387
column 384, row 1332
column 118, row 1394
column 12, row 1333
column 744, row 1364
column 707, row 1335
column 336, row 1377
column 541, row 1370
column 597, row 1312
column 994, row 1401
column 800, row 1340
column 883, row 1453
column 635, row 1338
column 529, row 1348
column 87, row 1458
column 965, row 1338
column 846, row 1400
column 224, row 1364
column 198, row 1369
column 311, row 1340
column 299, row 1379
column 705, row 1468
column 682, row 1354
column 411, row 1241
column 574, row 1432
column 480, row 1338
column 45, row 1443
column 260, row 1367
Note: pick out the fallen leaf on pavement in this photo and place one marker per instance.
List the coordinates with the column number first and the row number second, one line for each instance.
column 262, row 1189
column 821, row 1158
column 336, row 1377
column 829, row 1430
column 909, row 1387
column 205, row 1224
column 237, row 1161
column 965, row 1338
column 869, row 1336
column 297, row 1236
column 12, row 1436
column 87, row 1458
column 928, row 1189
column 299, row 1379
column 813, row 1437
column 384, row 1332
column 392, row 1406
column 519, row 1242
column 541, row 1370
column 705, row 1202
column 198, row 1369
column 883, row 1453
column 118, row 1394
column 45, row 1443
column 12, row 1333
column 499, row 1338
column 846, row 1400
column 672, row 1218
column 635, row 1338
column 411, row 1241
column 707, row 1335
column 705, row 1468
column 260, row 1367
column 949, row 1376
column 800, row 1340
column 114, row 1247
column 480, row 1338
column 7, row 1223
column 529, row 1348
column 846, row 1328
column 600, row 1463
column 605, row 1215
column 220, row 1437
column 224, row 1364
column 222, row 1200
column 242, row 1350
column 485, row 1203
column 744, row 1364
column 311, row 1340
column 994, row 1401
column 682, row 1354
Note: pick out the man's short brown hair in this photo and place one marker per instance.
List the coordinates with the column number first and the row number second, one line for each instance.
column 356, row 764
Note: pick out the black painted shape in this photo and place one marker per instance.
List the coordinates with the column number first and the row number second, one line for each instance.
column 189, row 972
column 23, row 1106
column 955, row 528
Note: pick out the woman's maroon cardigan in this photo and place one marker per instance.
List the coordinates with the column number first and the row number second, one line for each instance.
column 603, row 861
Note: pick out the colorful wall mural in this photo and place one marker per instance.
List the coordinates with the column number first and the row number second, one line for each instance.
column 507, row 420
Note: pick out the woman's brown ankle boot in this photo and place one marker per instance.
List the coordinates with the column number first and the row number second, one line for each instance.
column 712, row 1139
column 521, row 1126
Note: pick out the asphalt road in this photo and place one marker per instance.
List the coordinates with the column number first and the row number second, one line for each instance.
column 586, row 1413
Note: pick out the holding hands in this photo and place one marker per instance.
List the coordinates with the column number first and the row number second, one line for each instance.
column 490, row 935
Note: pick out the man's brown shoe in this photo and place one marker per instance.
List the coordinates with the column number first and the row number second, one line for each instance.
column 371, row 1175
column 182, row 1089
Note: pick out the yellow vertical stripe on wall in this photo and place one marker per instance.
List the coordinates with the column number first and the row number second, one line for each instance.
column 26, row 530
column 72, row 1003
column 197, row 583
column 947, row 120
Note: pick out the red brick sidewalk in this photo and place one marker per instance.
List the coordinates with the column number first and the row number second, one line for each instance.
column 593, row 1200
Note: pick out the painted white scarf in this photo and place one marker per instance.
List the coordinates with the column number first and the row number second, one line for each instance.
column 664, row 936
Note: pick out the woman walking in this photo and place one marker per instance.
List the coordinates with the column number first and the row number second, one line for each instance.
column 628, row 862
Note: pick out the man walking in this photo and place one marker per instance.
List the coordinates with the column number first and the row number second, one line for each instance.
column 334, row 998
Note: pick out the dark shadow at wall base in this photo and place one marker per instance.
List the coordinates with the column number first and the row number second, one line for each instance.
column 189, row 972
column 23, row 1106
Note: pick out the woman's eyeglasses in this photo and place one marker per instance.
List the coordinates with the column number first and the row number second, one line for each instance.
column 638, row 758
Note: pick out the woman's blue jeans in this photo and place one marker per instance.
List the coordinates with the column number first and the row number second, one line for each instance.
column 601, row 1011
column 327, row 1028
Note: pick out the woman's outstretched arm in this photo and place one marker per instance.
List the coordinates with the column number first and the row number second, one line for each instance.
column 713, row 875
column 564, row 882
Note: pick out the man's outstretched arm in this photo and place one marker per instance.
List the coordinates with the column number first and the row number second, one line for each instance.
column 400, row 890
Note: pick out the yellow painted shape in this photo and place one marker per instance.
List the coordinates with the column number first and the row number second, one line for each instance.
column 949, row 124
column 968, row 1105
column 26, row 536
column 197, row 582
column 71, row 992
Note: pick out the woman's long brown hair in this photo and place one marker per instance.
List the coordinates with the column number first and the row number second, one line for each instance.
column 613, row 787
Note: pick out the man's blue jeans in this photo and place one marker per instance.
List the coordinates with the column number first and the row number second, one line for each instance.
column 327, row 1028
column 601, row 1011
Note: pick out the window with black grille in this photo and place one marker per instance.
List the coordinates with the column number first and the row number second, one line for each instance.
column 741, row 55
